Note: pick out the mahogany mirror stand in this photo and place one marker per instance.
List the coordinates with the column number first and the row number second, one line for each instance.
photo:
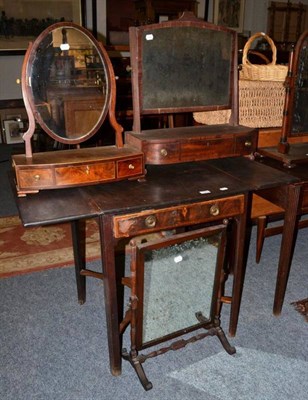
column 69, row 88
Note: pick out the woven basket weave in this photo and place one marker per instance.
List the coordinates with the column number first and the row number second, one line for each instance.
column 262, row 72
column 260, row 106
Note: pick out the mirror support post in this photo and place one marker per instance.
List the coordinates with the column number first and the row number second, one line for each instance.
column 283, row 145
column 28, row 135
column 111, row 112
column 24, row 86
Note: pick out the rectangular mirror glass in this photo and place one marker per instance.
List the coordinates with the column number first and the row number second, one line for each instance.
column 186, row 67
column 178, row 279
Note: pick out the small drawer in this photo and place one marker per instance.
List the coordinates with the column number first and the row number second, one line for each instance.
column 130, row 167
column 246, row 144
column 161, row 153
column 85, row 173
column 34, row 178
column 207, row 149
column 170, row 218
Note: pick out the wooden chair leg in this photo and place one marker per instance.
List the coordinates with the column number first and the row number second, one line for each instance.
column 261, row 226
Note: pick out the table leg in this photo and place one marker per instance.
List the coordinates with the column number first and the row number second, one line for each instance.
column 239, row 267
column 288, row 240
column 108, row 244
column 78, row 229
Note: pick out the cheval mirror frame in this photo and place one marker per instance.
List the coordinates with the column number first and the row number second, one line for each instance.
column 163, row 277
column 295, row 116
column 185, row 66
column 68, row 86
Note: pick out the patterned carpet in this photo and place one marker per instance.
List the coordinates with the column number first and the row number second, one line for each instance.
column 24, row 250
column 302, row 307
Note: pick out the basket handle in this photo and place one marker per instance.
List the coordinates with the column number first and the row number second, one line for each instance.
column 245, row 60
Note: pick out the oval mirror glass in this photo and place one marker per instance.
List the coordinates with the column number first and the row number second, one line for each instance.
column 68, row 83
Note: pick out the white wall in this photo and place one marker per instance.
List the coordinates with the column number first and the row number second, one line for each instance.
column 10, row 70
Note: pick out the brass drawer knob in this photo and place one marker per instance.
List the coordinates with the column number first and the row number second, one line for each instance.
column 164, row 152
column 87, row 170
column 214, row 210
column 248, row 143
column 150, row 221
column 131, row 166
column 37, row 177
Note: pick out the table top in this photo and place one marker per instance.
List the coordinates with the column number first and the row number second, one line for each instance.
column 164, row 186
column 258, row 175
column 299, row 171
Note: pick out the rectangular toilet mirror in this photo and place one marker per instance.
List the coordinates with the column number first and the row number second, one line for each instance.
column 178, row 278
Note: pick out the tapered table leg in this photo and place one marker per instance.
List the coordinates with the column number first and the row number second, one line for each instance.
column 288, row 240
column 111, row 294
column 241, row 242
column 78, row 228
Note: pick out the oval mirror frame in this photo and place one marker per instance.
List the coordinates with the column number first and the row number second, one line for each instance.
column 72, row 100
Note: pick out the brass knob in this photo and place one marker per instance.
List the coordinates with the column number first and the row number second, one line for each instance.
column 164, row 152
column 214, row 210
column 248, row 143
column 150, row 221
column 131, row 166
column 37, row 177
column 87, row 170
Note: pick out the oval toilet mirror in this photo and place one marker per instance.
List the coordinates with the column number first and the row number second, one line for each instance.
column 67, row 83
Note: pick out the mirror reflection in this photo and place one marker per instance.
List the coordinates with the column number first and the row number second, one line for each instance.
column 69, row 84
column 178, row 283
column 300, row 116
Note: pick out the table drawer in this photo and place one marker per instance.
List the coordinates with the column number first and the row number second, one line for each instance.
column 173, row 217
column 85, row 173
column 34, row 177
column 129, row 167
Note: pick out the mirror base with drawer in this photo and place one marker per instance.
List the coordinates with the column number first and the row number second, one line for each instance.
column 68, row 168
column 185, row 144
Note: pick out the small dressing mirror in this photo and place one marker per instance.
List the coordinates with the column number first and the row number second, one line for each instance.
column 299, row 116
column 176, row 286
column 69, row 88
column 181, row 68
column 68, row 83
column 295, row 117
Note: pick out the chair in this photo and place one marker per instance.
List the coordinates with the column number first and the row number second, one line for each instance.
column 263, row 212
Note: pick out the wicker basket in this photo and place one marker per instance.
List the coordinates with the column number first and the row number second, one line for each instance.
column 262, row 72
column 260, row 106
column 261, row 103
